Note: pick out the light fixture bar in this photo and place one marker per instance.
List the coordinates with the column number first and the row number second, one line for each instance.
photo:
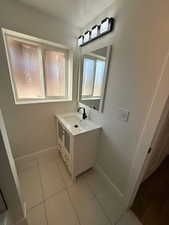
column 97, row 31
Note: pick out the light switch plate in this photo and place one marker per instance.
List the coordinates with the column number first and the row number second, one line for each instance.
column 123, row 115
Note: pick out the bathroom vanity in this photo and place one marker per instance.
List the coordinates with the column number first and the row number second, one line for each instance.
column 77, row 142
column 78, row 136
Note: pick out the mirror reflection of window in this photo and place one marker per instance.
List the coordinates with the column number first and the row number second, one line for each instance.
column 99, row 75
column 88, row 76
column 93, row 74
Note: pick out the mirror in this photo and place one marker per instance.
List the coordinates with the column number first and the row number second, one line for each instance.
column 93, row 77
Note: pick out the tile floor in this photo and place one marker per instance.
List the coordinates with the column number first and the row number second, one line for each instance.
column 53, row 199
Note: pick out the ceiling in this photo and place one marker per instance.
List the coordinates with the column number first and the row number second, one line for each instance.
column 76, row 12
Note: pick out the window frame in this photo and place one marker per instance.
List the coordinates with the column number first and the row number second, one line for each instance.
column 43, row 46
column 95, row 58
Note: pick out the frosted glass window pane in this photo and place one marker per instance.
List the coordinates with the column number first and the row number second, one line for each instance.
column 88, row 76
column 55, row 73
column 26, row 65
column 99, row 75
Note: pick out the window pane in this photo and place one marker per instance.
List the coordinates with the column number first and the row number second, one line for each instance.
column 99, row 75
column 88, row 76
column 26, row 65
column 55, row 73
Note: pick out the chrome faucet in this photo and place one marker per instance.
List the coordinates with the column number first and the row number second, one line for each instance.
column 84, row 115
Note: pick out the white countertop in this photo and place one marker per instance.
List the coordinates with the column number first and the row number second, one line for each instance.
column 69, row 120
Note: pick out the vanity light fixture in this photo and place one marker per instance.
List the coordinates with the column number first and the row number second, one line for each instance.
column 95, row 31
column 87, row 36
column 105, row 25
column 80, row 40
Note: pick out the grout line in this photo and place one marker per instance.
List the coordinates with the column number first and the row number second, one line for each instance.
column 74, row 208
column 66, row 188
column 99, row 202
column 45, row 213
column 63, row 189
column 119, row 219
column 36, row 154
column 43, row 197
column 54, row 194
column 19, row 170
column 34, row 206
column 101, row 205
column 67, row 191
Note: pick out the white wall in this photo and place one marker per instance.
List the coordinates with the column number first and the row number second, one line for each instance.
column 140, row 44
column 31, row 127
column 9, row 183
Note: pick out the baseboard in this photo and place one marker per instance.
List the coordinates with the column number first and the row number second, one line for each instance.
column 107, row 179
column 36, row 154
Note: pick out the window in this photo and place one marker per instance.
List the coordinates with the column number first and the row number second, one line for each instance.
column 55, row 66
column 39, row 70
column 93, row 74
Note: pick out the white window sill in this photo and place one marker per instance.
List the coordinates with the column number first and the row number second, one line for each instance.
column 25, row 102
column 91, row 98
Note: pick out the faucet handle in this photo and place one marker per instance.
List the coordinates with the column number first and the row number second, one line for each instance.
column 84, row 115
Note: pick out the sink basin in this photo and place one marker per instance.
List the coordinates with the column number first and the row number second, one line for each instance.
column 75, row 124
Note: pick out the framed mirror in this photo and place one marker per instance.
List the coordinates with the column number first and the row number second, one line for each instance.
column 93, row 77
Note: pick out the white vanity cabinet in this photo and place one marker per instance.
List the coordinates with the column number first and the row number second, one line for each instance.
column 77, row 145
column 64, row 144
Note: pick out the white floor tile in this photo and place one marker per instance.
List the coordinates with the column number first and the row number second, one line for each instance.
column 90, row 201
column 36, row 216
column 60, row 211
column 31, row 186
column 47, row 155
column 64, row 172
column 52, row 181
column 111, row 203
column 129, row 219
column 87, row 207
column 25, row 163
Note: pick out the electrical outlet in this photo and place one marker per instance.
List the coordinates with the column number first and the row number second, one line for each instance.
column 123, row 115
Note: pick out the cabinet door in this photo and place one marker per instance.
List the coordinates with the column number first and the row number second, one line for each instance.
column 67, row 141
column 60, row 132
column 2, row 203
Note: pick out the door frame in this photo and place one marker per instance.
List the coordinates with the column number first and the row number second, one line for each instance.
column 156, row 109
